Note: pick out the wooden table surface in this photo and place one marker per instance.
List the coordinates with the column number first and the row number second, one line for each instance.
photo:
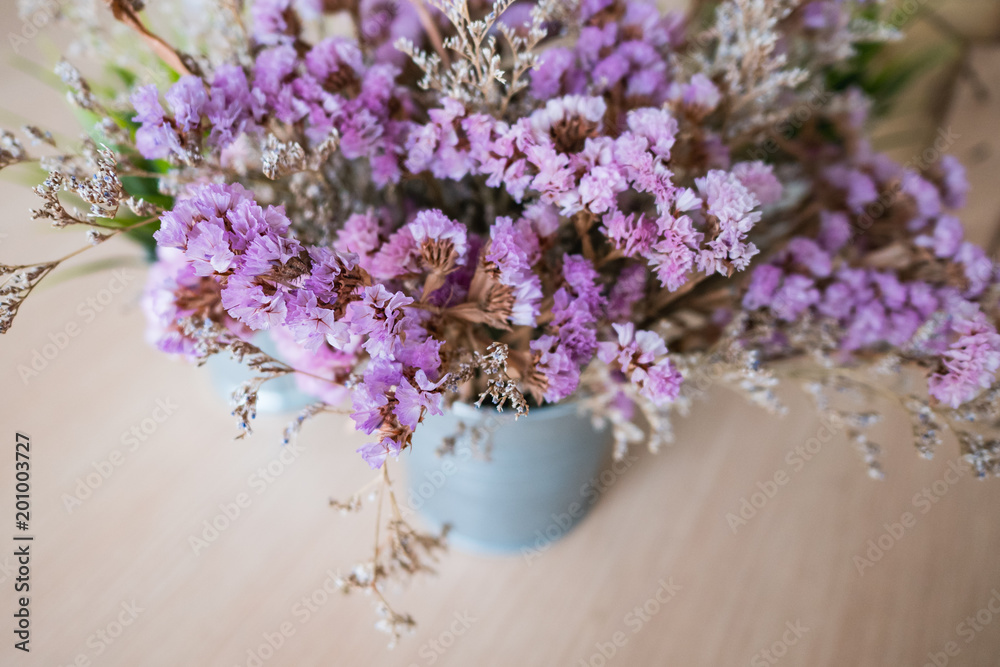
column 656, row 566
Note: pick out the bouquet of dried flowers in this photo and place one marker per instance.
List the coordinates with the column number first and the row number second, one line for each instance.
column 523, row 203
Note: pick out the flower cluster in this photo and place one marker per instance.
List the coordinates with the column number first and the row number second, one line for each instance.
column 577, row 200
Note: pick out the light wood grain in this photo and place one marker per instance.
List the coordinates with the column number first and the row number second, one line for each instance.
column 664, row 519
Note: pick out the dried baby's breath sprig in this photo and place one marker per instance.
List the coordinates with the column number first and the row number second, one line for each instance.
column 982, row 453
column 294, row 427
column 11, row 150
column 392, row 623
column 871, row 452
column 523, row 46
column 280, row 158
column 211, row 338
column 749, row 63
column 599, row 402
column 95, row 237
column 141, row 207
column 79, row 92
column 353, row 504
column 983, row 409
column 244, row 402
column 400, row 553
column 927, row 426
column 478, row 76
column 17, row 283
column 500, row 387
column 102, row 189
column 38, row 135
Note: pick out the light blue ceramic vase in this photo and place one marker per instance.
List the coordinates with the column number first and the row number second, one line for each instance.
column 537, row 484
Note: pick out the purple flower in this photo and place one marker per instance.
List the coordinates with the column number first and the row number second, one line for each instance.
column 583, row 282
column 187, row 99
column 275, row 21
column 208, row 248
column 732, row 205
column 232, row 108
column 955, row 185
column 764, row 282
column 424, row 356
column 947, row 238
column 359, row 235
column 796, row 295
column 641, row 356
column 375, row 453
column 434, row 228
column 412, row 401
column 834, row 230
column 655, row 125
column 335, row 59
column 759, row 179
column 838, row 301
column 634, row 234
column 156, row 138
column 385, row 21
column 169, row 277
column 397, row 256
column 808, row 254
column 599, row 188
column 553, row 65
column 274, row 78
column 554, row 364
column 314, row 324
column 925, row 194
column 979, row 269
column 379, row 316
column 859, row 189
column 200, row 203
column 869, row 324
column 970, row 363
column 245, row 300
column 672, row 259
column 513, row 248
column 699, row 95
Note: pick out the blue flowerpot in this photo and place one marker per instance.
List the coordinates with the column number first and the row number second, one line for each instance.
column 536, row 484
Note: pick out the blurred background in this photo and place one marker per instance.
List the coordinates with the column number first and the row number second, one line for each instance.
column 133, row 457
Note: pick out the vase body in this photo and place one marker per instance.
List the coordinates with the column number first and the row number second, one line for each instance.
column 536, row 484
